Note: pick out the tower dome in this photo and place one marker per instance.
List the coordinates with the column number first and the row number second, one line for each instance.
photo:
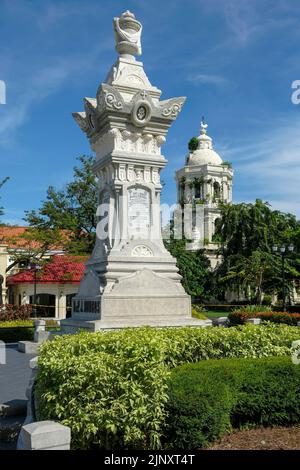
column 204, row 154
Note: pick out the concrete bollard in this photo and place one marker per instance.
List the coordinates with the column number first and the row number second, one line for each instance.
column 254, row 321
column 40, row 333
column 44, row 435
column 298, row 323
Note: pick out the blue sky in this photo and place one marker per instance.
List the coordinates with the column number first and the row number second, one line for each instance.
column 235, row 60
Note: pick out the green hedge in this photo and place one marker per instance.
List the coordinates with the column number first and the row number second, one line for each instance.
column 209, row 398
column 16, row 330
column 111, row 387
column 21, row 330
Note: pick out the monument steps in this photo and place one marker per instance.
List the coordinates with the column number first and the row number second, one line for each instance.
column 71, row 325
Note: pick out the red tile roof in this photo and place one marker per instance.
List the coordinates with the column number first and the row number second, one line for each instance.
column 13, row 237
column 62, row 269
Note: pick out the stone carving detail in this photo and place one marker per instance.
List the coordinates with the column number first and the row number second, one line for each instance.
column 160, row 139
column 128, row 34
column 138, row 174
column 128, row 75
column 155, row 176
column 80, row 118
column 173, row 110
column 141, row 251
column 139, row 143
column 111, row 101
column 147, row 174
column 122, row 172
column 130, row 173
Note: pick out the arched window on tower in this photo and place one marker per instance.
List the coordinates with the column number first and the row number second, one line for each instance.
column 197, row 190
column 217, row 190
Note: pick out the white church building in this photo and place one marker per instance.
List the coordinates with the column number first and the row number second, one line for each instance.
column 205, row 180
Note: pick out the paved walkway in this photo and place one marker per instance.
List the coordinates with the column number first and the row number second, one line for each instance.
column 15, row 374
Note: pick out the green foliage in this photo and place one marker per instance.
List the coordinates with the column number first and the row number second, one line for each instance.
column 21, row 330
column 16, row 330
column 239, row 315
column 251, row 309
column 197, row 312
column 193, row 267
column 35, row 242
column 228, row 164
column 267, row 300
column 72, row 209
column 208, row 399
column 247, row 233
column 193, row 144
column 1, row 184
column 111, row 387
column 15, row 323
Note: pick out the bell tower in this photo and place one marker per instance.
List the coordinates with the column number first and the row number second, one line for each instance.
column 204, row 182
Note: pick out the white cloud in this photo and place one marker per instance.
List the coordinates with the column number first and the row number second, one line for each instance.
column 202, row 78
column 268, row 166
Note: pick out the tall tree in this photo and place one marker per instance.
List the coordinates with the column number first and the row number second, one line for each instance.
column 1, row 184
column 247, row 233
column 194, row 267
column 71, row 209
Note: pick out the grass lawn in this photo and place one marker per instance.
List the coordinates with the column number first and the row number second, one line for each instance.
column 213, row 314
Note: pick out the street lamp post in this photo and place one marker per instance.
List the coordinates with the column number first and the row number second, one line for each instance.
column 283, row 252
column 35, row 267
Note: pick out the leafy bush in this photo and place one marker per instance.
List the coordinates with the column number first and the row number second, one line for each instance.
column 198, row 312
column 15, row 312
column 111, row 387
column 21, row 330
column 208, row 399
column 239, row 318
column 267, row 300
column 16, row 330
column 250, row 309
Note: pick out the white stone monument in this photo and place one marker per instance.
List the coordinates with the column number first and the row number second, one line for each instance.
column 130, row 279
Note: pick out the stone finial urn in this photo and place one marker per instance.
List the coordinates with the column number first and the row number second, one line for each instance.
column 128, row 32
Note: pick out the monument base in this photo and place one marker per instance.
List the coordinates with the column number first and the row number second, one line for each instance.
column 70, row 326
column 143, row 298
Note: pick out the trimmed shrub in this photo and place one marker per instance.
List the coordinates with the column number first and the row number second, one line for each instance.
column 21, row 330
column 17, row 330
column 208, row 399
column 240, row 317
column 111, row 387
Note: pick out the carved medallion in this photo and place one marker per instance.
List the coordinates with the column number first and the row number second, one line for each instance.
column 141, row 113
